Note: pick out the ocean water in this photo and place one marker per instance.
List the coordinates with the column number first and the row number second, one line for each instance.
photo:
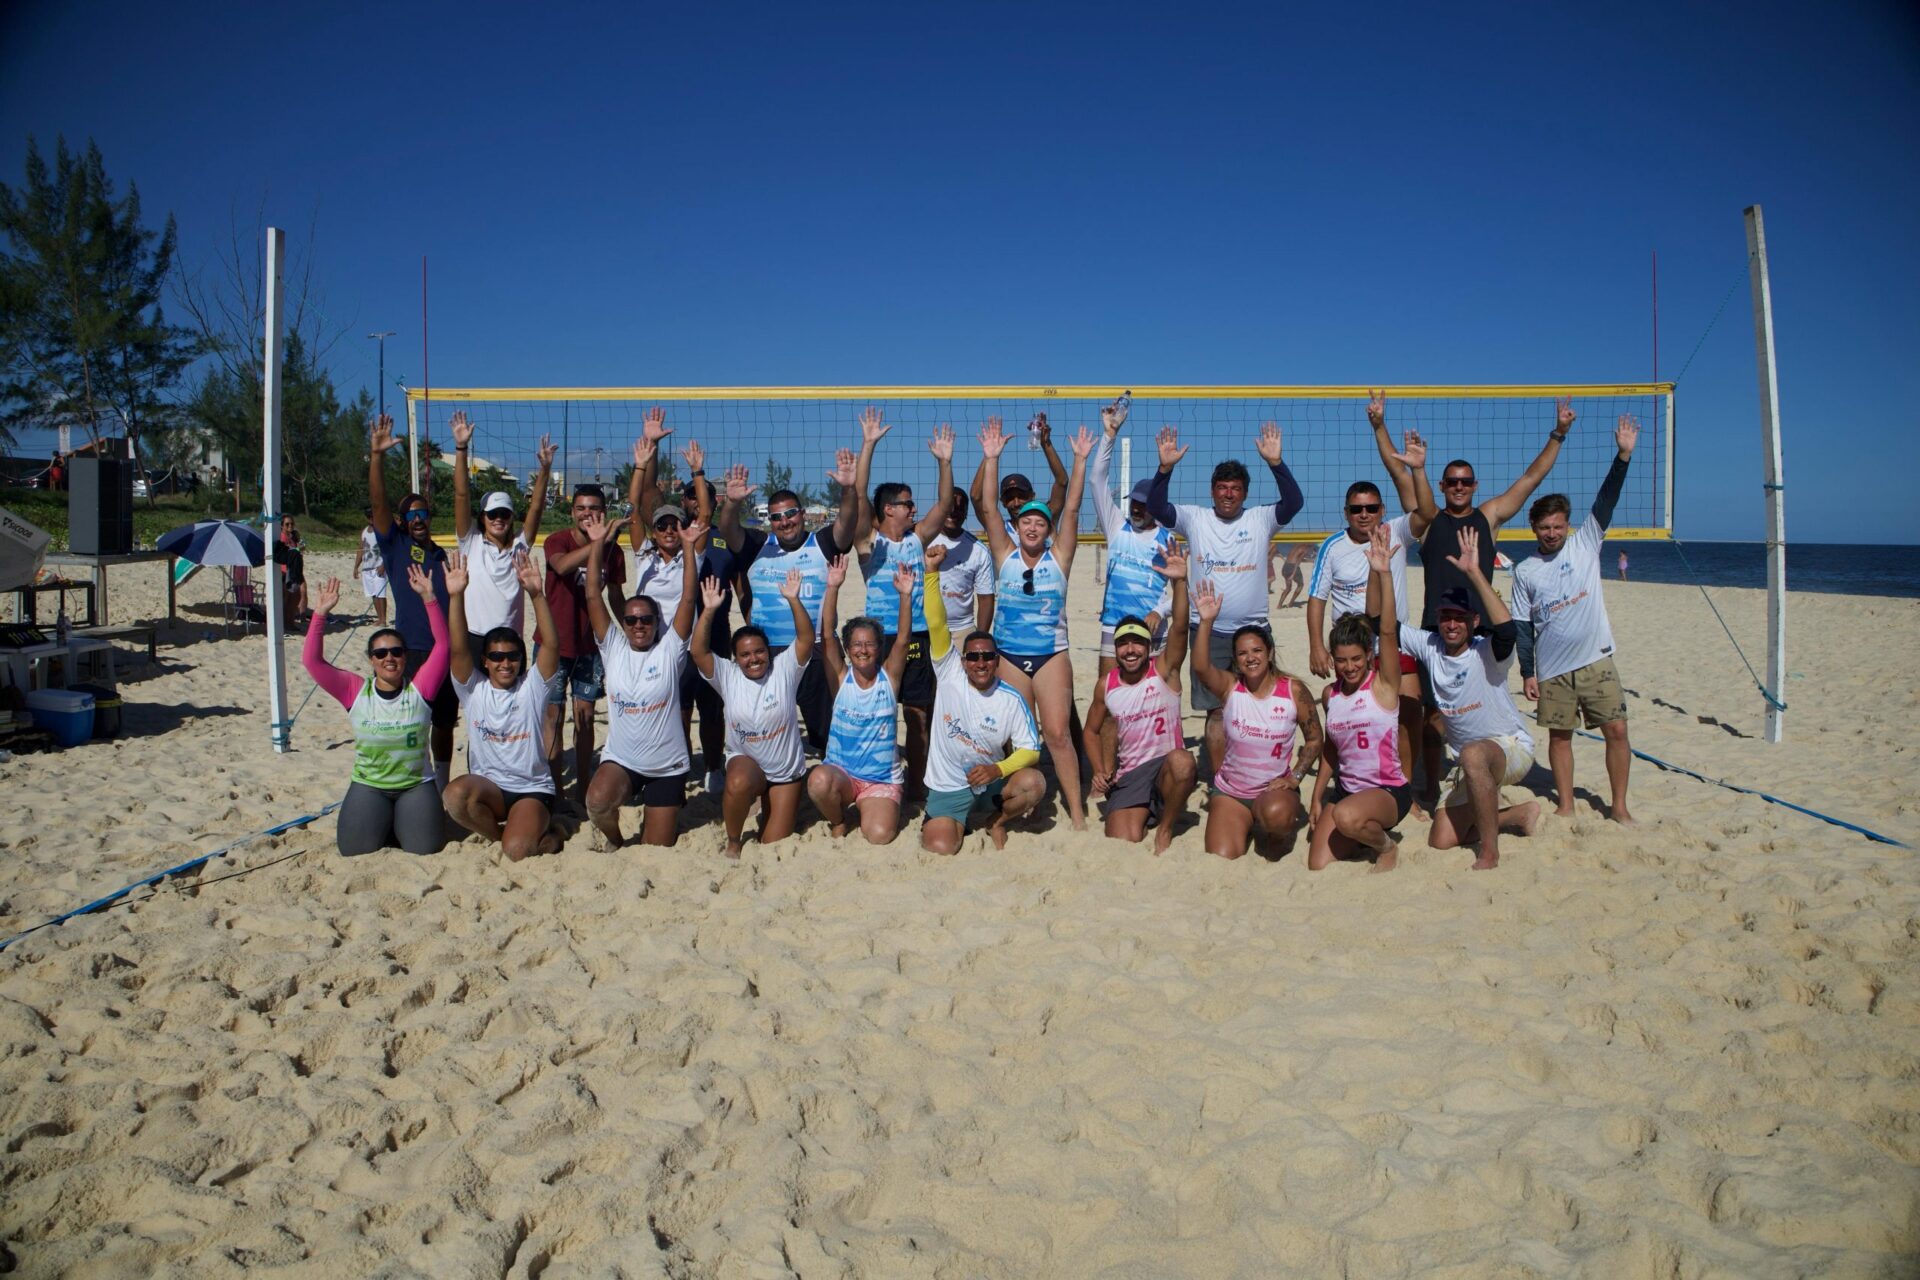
column 1819, row 567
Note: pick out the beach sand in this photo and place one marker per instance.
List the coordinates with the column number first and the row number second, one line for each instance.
column 1690, row 1049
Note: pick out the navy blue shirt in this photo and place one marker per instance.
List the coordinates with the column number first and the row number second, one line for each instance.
column 398, row 552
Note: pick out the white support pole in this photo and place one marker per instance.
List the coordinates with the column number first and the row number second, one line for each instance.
column 1775, row 472
column 1673, row 464
column 413, row 448
column 1126, row 473
column 270, row 488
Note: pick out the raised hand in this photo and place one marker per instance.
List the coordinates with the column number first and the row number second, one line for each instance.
column 644, row 450
column 1171, row 564
column 993, row 437
column 871, row 428
column 738, row 487
column 1113, row 416
column 531, row 578
column 1415, row 453
column 713, row 594
column 382, row 438
column 1626, row 435
column 462, row 428
column 694, row 535
column 936, row 555
column 1042, row 429
column 1269, row 443
column 940, row 444
column 421, row 581
column 1563, row 416
column 327, row 596
column 844, row 469
column 455, row 573
column 1206, row 601
column 1377, row 408
column 696, row 456
column 654, row 426
column 1468, row 561
column 790, row 585
column 903, row 578
column 1082, row 442
column 1171, row 450
column 836, row 573
column 545, row 453
column 1380, row 550
column 597, row 527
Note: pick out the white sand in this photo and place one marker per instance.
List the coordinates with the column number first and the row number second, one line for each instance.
column 1686, row 1050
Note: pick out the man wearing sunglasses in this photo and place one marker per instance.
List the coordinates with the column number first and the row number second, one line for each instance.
column 765, row 559
column 1439, row 533
column 495, row 545
column 985, row 745
column 581, row 679
column 406, row 541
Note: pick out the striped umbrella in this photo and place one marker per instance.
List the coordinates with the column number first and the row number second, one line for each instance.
column 215, row 542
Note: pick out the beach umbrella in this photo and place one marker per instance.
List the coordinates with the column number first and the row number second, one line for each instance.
column 215, row 542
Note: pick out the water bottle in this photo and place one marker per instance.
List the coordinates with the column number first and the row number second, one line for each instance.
column 1034, row 427
column 1122, row 406
column 62, row 628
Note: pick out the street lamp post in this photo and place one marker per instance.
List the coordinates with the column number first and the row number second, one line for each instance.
column 381, row 338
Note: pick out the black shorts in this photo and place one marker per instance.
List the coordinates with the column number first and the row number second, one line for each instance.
column 815, row 699
column 1029, row 663
column 668, row 791
column 1402, row 797
column 916, row 684
column 446, row 703
column 515, row 797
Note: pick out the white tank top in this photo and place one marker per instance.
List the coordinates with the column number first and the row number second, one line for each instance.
column 1259, row 739
column 1366, row 738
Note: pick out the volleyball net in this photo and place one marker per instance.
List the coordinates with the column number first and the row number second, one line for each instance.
column 787, row 437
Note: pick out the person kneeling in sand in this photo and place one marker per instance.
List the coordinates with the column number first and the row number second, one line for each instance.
column 765, row 758
column 1468, row 677
column 1357, row 814
column 1149, row 784
column 506, row 794
column 863, row 769
column 972, row 776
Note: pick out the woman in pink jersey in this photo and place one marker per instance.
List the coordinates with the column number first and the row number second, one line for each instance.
column 1149, row 784
column 1264, row 709
column 1354, row 816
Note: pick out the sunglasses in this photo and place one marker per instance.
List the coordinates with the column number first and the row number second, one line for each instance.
column 503, row 655
column 1455, row 482
column 1362, row 508
column 903, row 502
column 781, row 517
column 419, row 515
column 500, row 513
column 667, row 522
column 1026, row 581
column 981, row 655
column 388, row 651
column 640, row 620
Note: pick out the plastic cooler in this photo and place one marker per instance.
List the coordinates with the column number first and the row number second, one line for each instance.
column 106, row 708
column 67, row 715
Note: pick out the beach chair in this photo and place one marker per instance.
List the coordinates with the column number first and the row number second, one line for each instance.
column 238, row 603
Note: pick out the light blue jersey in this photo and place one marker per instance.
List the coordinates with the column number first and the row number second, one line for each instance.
column 768, row 574
column 1031, row 614
column 883, row 602
column 861, row 742
column 1133, row 587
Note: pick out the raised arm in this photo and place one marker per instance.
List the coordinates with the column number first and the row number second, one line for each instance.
column 939, row 634
column 1626, row 434
column 378, row 443
column 1291, row 499
column 737, row 492
column 873, row 428
column 1066, row 529
column 427, row 679
column 537, row 506
column 599, row 532
column 1106, row 508
column 693, row 543
column 1172, row 566
column 1206, row 602
column 1171, row 451
column 643, row 487
column 1493, row 610
column 713, row 594
column 1499, row 510
column 1056, row 496
column 459, row 656
column 462, row 429
column 697, row 475
column 941, row 447
column 1380, row 604
column 903, row 575
column 993, row 439
column 1396, row 469
column 343, row 685
column 830, row 624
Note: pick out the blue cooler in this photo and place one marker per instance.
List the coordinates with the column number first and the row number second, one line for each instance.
column 67, row 715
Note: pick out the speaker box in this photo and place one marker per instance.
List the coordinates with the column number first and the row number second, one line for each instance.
column 100, row 506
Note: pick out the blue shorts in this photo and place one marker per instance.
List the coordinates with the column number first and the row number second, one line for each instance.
column 583, row 675
column 964, row 805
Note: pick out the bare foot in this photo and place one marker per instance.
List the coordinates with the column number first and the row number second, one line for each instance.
column 998, row 834
column 1163, row 839
column 549, row 843
column 1486, row 862
column 1525, row 820
column 1563, row 811
column 1389, row 857
column 1625, row 819
column 839, row 830
column 734, row 849
column 603, row 843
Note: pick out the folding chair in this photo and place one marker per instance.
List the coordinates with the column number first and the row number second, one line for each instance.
column 238, row 603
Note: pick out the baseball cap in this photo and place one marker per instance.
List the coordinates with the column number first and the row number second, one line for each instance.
column 668, row 509
column 1457, row 599
column 1034, row 509
column 498, row 500
column 1015, row 482
column 1139, row 492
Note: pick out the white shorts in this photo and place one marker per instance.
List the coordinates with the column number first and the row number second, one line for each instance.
column 1519, row 761
column 1159, row 640
column 374, row 584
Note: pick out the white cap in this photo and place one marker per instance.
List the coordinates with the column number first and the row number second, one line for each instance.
column 498, row 500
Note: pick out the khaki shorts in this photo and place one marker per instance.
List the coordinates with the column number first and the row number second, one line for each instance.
column 1593, row 693
column 1519, row 761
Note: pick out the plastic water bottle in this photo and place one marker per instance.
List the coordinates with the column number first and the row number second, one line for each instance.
column 62, row 627
column 1034, row 427
column 1123, row 405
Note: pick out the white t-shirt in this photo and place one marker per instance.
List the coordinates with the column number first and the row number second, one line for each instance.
column 1234, row 557
column 1341, row 570
column 661, row 580
column 1560, row 595
column 371, row 560
column 643, row 703
column 506, row 731
column 494, row 598
column 967, row 572
column 1470, row 690
column 763, row 716
column 973, row 728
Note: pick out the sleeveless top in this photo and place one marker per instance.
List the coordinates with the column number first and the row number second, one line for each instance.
column 1146, row 717
column 861, row 740
column 883, row 602
column 766, row 576
column 1032, row 621
column 1441, row 540
column 1259, row 739
column 1366, row 738
column 1133, row 587
column 390, row 738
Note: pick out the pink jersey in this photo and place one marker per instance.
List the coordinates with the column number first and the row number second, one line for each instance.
column 1365, row 737
column 1259, row 739
column 1146, row 716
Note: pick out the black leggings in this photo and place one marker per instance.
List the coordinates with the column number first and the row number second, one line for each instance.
column 375, row 818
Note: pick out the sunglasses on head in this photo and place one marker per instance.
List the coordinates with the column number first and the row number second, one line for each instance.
column 1362, row 508
column 388, row 651
column 980, row 655
column 503, row 655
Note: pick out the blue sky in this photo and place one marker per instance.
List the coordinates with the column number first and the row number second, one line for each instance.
column 749, row 195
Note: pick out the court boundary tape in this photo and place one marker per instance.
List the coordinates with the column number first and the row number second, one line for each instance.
column 191, row 864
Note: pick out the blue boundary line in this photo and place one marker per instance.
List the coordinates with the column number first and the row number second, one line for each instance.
column 192, row 864
column 1670, row 767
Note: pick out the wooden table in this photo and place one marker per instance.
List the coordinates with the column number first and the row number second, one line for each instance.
column 98, row 566
column 30, row 599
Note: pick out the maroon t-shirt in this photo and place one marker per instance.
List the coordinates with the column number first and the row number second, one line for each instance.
column 567, row 594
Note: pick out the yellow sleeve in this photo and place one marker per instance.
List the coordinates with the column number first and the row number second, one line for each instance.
column 939, row 639
column 1018, row 761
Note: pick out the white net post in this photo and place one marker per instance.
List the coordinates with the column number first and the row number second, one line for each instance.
column 270, row 490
